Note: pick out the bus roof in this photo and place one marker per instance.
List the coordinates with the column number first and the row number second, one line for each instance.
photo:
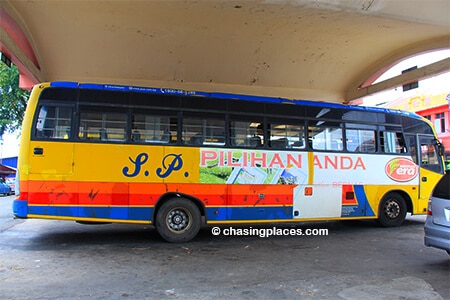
column 169, row 91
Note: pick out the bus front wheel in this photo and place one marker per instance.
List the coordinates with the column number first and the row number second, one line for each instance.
column 392, row 210
column 178, row 220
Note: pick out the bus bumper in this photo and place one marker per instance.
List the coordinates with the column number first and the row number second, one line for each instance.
column 20, row 208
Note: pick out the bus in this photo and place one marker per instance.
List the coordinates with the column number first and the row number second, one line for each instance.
column 178, row 160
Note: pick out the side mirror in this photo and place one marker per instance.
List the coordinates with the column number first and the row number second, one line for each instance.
column 441, row 149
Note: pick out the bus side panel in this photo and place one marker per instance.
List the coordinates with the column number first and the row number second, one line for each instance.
column 259, row 202
column 361, row 180
column 51, row 158
column 375, row 194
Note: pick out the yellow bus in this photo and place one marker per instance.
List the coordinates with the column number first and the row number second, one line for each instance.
column 177, row 159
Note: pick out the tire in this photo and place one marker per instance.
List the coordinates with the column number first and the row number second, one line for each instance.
column 178, row 220
column 392, row 210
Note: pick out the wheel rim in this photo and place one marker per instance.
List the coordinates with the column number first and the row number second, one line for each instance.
column 392, row 209
column 178, row 220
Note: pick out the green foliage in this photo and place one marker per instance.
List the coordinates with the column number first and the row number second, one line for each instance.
column 214, row 174
column 13, row 100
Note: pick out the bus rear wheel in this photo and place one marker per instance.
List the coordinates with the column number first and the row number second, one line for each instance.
column 392, row 210
column 178, row 220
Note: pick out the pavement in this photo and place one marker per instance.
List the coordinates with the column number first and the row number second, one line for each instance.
column 44, row 259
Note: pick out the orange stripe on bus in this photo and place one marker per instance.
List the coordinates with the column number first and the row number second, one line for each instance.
column 109, row 193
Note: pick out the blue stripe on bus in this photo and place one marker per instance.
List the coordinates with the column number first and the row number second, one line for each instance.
column 363, row 203
column 249, row 213
column 145, row 213
column 92, row 86
column 146, row 90
column 115, row 213
column 242, row 97
column 66, row 84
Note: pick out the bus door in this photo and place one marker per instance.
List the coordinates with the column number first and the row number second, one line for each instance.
column 430, row 163
column 50, row 153
column 50, row 161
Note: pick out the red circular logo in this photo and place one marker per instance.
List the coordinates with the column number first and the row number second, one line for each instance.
column 401, row 169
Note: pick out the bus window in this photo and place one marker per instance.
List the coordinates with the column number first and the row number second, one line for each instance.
column 412, row 146
column 284, row 136
column 247, row 134
column 53, row 122
column 325, row 136
column 429, row 155
column 361, row 140
column 392, row 142
column 153, row 129
column 103, row 126
column 203, row 131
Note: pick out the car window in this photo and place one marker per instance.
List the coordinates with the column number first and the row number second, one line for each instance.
column 442, row 189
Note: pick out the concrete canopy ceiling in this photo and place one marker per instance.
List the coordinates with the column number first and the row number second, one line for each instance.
column 318, row 50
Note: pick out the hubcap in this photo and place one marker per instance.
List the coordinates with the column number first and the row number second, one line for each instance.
column 392, row 209
column 178, row 220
